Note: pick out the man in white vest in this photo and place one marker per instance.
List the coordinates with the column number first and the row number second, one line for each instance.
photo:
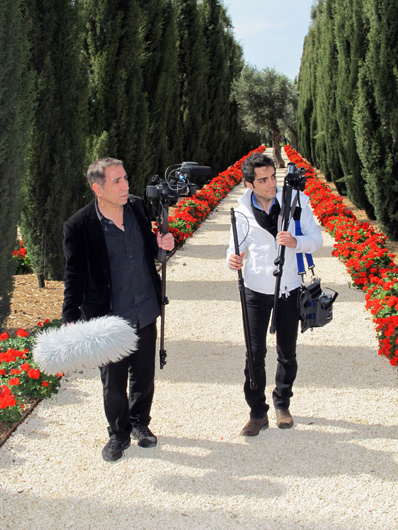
column 257, row 231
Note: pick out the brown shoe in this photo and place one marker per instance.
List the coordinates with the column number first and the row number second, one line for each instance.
column 284, row 419
column 254, row 426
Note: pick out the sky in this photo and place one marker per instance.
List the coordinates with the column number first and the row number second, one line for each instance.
column 271, row 32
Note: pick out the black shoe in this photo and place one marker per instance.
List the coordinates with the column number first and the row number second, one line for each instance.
column 114, row 449
column 145, row 437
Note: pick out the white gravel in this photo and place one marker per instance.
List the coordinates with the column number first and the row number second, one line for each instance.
column 336, row 469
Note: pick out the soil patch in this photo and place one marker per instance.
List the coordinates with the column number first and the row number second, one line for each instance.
column 30, row 304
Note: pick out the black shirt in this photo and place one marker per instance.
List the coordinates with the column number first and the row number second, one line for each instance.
column 133, row 292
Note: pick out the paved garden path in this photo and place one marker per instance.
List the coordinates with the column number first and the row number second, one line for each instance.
column 336, row 469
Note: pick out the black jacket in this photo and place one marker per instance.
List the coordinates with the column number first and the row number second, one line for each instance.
column 87, row 280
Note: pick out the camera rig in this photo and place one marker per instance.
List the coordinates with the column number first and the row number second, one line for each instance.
column 176, row 183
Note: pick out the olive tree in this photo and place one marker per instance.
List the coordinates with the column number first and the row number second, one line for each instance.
column 266, row 100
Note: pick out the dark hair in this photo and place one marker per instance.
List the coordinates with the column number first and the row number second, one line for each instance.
column 96, row 170
column 252, row 162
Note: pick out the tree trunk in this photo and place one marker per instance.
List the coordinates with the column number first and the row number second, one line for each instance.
column 277, row 148
column 295, row 138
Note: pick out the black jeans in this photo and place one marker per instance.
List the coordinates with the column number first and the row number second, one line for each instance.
column 259, row 308
column 138, row 369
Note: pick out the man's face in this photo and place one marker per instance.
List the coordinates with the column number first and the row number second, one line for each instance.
column 116, row 188
column 264, row 185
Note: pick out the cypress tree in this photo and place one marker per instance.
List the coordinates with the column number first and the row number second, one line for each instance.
column 193, row 68
column 307, row 124
column 114, row 49
column 306, row 100
column 16, row 104
column 350, row 38
column 239, row 141
column 54, row 187
column 218, row 84
column 161, row 84
column 327, row 136
column 376, row 113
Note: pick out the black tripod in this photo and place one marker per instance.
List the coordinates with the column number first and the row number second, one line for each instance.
column 168, row 191
column 294, row 180
column 164, row 228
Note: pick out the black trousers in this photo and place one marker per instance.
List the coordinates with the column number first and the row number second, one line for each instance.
column 259, row 308
column 138, row 371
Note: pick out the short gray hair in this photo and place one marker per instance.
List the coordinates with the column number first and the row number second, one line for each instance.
column 96, row 170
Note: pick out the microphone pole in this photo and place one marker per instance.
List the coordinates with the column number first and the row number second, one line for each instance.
column 246, row 329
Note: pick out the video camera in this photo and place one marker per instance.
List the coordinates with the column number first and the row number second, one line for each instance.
column 176, row 183
column 295, row 177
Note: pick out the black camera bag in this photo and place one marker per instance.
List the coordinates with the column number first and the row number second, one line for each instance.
column 315, row 305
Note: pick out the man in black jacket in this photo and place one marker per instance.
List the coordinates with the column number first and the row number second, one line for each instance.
column 110, row 249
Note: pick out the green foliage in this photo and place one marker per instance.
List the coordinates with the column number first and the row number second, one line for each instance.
column 351, row 47
column 348, row 117
column 218, row 82
column 326, row 149
column 114, row 53
column 160, row 84
column 306, row 122
column 193, row 74
column 148, row 82
column 376, row 115
column 22, row 262
column 54, row 187
column 16, row 105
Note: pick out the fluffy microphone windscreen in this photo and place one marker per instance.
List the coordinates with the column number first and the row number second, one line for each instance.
column 84, row 344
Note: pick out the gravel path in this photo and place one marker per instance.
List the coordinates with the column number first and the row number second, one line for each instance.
column 336, row 469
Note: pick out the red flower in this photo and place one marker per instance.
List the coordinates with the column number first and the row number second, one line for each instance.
column 22, row 333
column 11, row 355
column 363, row 251
column 34, row 374
column 46, row 321
column 7, row 399
column 4, row 336
column 14, row 381
column 25, row 367
column 44, row 383
column 40, row 324
column 15, row 371
column 3, row 372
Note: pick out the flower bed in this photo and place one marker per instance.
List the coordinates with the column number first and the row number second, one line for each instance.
column 363, row 251
column 190, row 212
column 21, row 259
column 20, row 378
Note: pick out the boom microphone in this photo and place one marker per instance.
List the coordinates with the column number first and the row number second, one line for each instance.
column 87, row 344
